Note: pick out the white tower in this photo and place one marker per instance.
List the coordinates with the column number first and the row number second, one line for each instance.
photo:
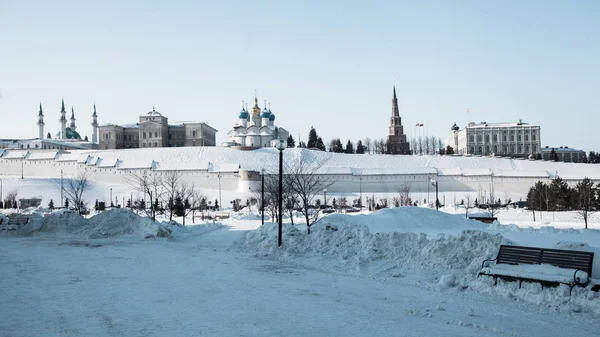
column 40, row 123
column 264, row 116
column 94, row 126
column 63, row 121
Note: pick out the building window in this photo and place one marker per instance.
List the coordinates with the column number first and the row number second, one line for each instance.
column 512, row 149
column 155, row 134
column 495, row 149
column 504, row 137
column 471, row 139
column 505, row 149
column 193, row 133
column 526, row 148
column 487, row 138
column 512, row 137
column 526, row 137
column 519, row 137
column 472, row 149
column 495, row 138
column 155, row 144
column 144, row 136
column 533, row 136
column 479, row 149
column 520, row 149
column 170, row 136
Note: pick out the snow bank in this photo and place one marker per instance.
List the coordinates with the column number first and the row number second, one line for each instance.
column 406, row 219
column 352, row 247
column 109, row 224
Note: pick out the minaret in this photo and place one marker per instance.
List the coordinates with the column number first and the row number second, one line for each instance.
column 63, row 121
column 72, row 126
column 94, row 126
column 40, row 123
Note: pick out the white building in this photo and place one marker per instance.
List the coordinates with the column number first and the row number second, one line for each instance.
column 255, row 130
column 502, row 139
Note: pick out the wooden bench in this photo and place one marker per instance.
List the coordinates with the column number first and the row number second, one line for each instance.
column 549, row 267
column 484, row 219
column 14, row 221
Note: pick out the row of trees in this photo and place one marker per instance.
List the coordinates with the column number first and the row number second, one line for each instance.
column 559, row 196
column 420, row 145
column 302, row 183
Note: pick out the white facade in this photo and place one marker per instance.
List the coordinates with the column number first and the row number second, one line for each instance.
column 503, row 139
column 256, row 129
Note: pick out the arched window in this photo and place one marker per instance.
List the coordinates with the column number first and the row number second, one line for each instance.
column 487, row 138
column 495, row 149
column 495, row 138
column 480, row 149
column 479, row 138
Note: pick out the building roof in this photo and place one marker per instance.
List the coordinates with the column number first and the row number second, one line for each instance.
column 473, row 125
column 560, row 149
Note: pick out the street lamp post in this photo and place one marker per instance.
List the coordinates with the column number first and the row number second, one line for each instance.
column 281, row 145
column 61, row 189
column 22, row 163
column 111, row 203
column 437, row 202
column 1, row 200
column 325, row 197
column 219, row 176
column 262, row 198
column 360, row 189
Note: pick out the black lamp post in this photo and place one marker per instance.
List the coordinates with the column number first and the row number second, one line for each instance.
column 262, row 198
column 437, row 201
column 281, row 145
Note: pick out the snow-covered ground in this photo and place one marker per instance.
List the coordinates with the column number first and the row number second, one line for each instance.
column 395, row 272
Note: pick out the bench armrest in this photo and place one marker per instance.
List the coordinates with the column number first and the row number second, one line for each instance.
column 577, row 279
column 488, row 260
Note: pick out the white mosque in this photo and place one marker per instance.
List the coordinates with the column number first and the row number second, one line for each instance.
column 256, row 129
column 66, row 139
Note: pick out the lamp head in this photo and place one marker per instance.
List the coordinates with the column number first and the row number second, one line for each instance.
column 281, row 144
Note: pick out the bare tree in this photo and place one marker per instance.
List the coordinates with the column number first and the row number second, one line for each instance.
column 306, row 182
column 191, row 198
column 586, row 199
column 148, row 183
column 467, row 204
column 171, row 186
column 11, row 199
column 368, row 144
column 492, row 207
column 420, row 145
column 75, row 188
column 405, row 194
column 440, row 146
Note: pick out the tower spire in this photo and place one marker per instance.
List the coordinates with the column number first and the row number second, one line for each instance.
column 62, row 109
column 41, row 112
column 395, row 110
column 94, row 114
column 395, row 93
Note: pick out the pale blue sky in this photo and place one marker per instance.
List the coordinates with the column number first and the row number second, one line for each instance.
column 330, row 64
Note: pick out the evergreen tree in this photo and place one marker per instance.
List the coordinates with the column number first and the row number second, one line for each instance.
column 142, row 205
column 449, row 150
column 337, row 146
column 291, row 142
column 349, row 147
column 320, row 144
column 67, row 203
column 312, row 138
column 50, row 204
column 538, row 156
column 583, row 158
column 586, row 199
column 86, row 138
column 559, row 195
column 360, row 149
column 302, row 145
column 49, row 136
column 216, row 204
column 128, row 203
column 178, row 206
column 553, row 155
column 537, row 196
column 96, row 206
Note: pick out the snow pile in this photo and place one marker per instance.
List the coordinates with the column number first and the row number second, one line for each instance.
column 353, row 248
column 109, row 224
column 406, row 219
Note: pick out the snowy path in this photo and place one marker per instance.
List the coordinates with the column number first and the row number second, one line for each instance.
column 199, row 286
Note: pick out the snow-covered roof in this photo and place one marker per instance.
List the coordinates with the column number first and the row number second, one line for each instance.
column 131, row 126
column 476, row 172
column 497, row 125
column 560, row 149
column 106, row 162
column 68, row 156
column 394, row 171
column 15, row 154
column 223, row 167
column 83, row 159
column 43, row 155
column 524, row 174
column 188, row 166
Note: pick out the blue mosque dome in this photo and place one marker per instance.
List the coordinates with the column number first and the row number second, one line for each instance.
column 272, row 117
column 72, row 134
column 265, row 113
column 243, row 114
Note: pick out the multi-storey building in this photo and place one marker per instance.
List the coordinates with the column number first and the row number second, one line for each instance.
column 504, row 139
column 153, row 130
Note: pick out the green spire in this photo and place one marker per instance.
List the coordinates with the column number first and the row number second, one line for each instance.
column 72, row 113
column 63, row 106
column 41, row 112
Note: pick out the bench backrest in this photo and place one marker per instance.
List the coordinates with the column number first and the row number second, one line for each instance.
column 19, row 220
column 570, row 259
